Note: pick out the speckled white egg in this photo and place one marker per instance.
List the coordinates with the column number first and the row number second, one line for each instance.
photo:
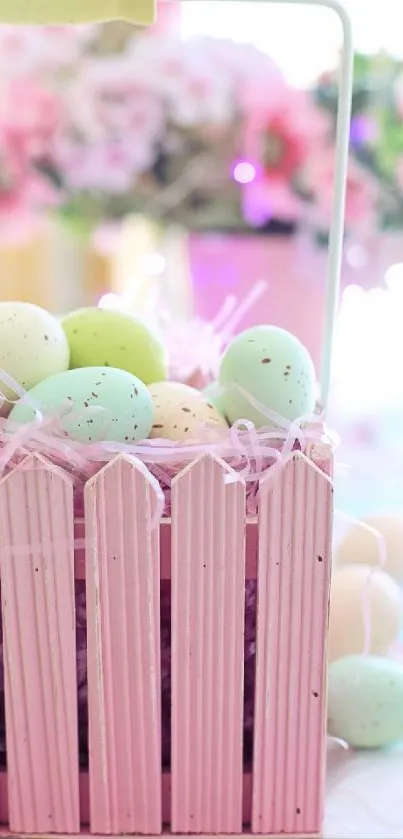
column 94, row 404
column 362, row 596
column 360, row 545
column 33, row 345
column 274, row 368
column 183, row 414
column 365, row 701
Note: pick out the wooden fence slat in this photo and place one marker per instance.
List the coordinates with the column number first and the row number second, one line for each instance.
column 123, row 627
column 295, row 519
column 208, row 601
column 38, row 606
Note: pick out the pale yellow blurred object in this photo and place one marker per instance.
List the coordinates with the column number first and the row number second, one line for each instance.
column 361, row 594
column 141, row 12
column 359, row 545
column 139, row 238
column 50, row 265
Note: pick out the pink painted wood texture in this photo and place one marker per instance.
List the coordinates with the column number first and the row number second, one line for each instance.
column 293, row 596
column 85, row 808
column 123, row 626
column 37, row 588
column 208, row 573
column 208, row 548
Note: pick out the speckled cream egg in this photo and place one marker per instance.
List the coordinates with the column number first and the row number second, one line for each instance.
column 183, row 414
column 107, row 338
column 94, row 403
column 274, row 368
column 365, row 701
column 361, row 546
column 33, row 345
column 362, row 596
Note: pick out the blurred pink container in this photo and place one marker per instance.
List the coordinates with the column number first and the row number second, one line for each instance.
column 207, row 548
column 295, row 269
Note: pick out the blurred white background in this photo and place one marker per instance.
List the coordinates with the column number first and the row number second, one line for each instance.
column 290, row 34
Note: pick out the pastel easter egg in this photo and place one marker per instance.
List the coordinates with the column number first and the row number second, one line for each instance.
column 365, row 701
column 183, row 414
column 33, row 345
column 363, row 599
column 107, row 338
column 360, row 545
column 214, row 395
column 94, row 404
column 274, row 368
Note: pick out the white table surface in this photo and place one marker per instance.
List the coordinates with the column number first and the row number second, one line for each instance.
column 364, row 795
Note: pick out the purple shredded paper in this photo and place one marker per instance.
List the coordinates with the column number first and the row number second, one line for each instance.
column 250, row 629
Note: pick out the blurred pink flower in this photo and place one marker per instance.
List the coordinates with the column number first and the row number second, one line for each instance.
column 118, row 98
column 182, row 76
column 107, row 166
column 280, row 130
column 26, row 50
column 361, row 196
column 266, row 199
column 22, row 189
column 278, row 138
column 29, row 117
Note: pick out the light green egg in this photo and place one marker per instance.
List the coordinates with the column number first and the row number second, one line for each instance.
column 107, row 338
column 94, row 403
column 274, row 368
column 214, row 395
column 33, row 345
column 365, row 701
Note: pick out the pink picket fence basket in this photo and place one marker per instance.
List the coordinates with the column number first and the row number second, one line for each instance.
column 210, row 551
column 208, row 548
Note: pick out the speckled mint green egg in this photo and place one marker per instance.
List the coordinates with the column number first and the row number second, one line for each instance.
column 214, row 395
column 108, row 338
column 365, row 701
column 95, row 403
column 274, row 368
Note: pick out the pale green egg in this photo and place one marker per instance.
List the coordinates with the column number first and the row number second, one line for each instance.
column 108, row 338
column 365, row 701
column 214, row 395
column 94, row 404
column 33, row 346
column 272, row 367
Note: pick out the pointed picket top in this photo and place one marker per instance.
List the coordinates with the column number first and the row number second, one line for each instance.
column 123, row 460
column 285, row 466
column 123, row 632
column 36, row 461
column 38, row 605
column 125, row 465
column 204, row 461
column 295, row 528
column 208, row 602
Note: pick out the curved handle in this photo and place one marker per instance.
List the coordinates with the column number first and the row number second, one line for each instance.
column 340, row 181
column 335, row 252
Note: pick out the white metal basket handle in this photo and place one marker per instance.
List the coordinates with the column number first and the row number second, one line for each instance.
column 335, row 252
